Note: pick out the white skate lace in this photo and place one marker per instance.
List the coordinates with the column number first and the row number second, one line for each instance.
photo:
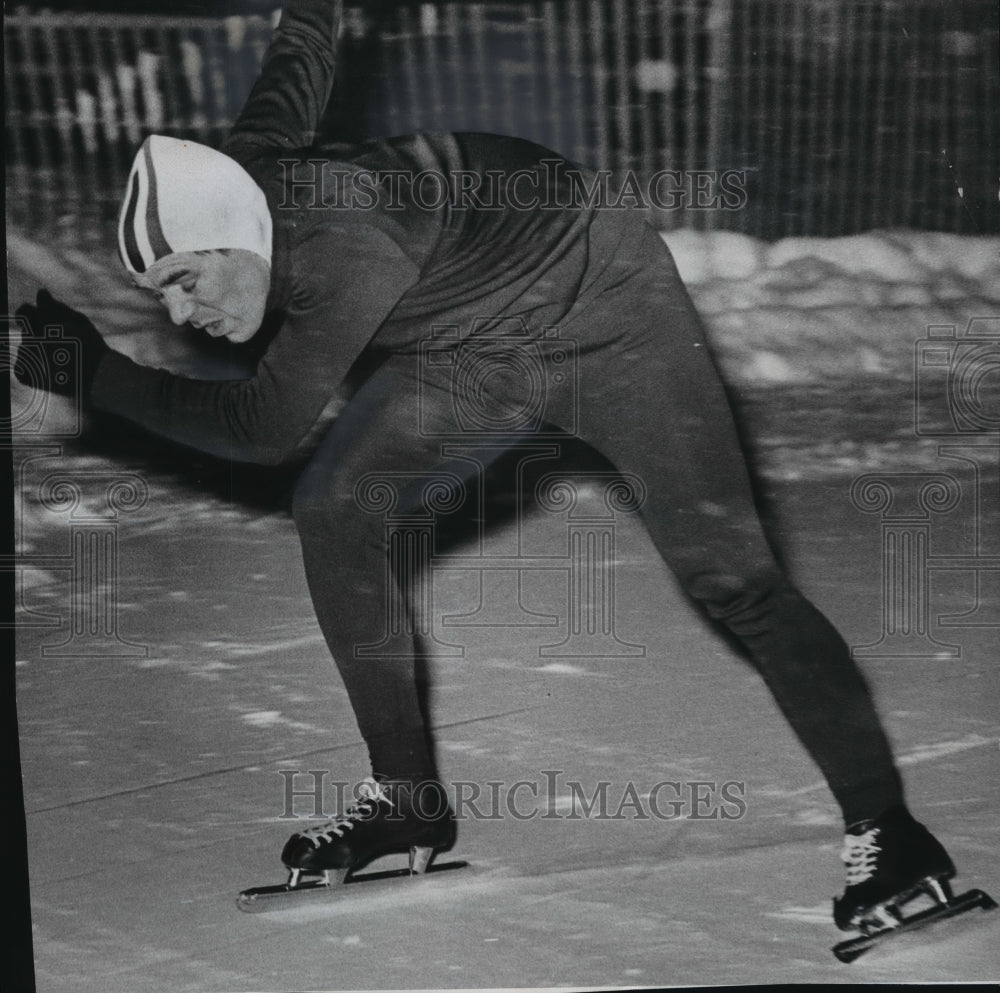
column 370, row 793
column 860, row 854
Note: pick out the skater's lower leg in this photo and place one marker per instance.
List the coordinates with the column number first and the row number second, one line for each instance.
column 365, row 615
column 372, row 475
column 363, row 609
column 815, row 683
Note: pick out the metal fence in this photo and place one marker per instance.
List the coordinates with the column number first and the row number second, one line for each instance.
column 831, row 116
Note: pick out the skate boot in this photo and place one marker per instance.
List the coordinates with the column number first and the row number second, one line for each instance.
column 889, row 860
column 390, row 816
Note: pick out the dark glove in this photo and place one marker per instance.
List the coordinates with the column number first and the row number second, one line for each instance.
column 60, row 349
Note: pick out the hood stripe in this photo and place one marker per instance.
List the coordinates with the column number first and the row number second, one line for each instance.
column 154, row 231
column 127, row 243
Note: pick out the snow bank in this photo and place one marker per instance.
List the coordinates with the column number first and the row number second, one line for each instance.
column 807, row 309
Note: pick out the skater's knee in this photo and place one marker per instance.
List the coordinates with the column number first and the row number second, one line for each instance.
column 729, row 595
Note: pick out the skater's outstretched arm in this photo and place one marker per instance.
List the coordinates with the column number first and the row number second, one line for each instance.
column 336, row 308
column 287, row 101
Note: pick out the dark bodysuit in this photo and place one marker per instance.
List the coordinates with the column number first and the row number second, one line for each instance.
column 455, row 306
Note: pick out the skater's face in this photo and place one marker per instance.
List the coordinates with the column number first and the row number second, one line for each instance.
column 223, row 293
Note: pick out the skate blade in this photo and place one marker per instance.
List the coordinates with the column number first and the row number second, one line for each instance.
column 262, row 899
column 848, row 951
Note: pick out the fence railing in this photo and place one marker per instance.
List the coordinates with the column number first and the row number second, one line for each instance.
column 827, row 116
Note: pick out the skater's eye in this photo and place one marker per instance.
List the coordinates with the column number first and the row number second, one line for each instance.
column 185, row 281
column 184, row 278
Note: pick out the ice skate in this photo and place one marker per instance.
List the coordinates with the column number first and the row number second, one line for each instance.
column 390, row 817
column 892, row 861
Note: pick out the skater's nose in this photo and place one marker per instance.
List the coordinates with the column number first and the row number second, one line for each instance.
column 178, row 304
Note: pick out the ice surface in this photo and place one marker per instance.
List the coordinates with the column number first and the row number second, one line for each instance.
column 154, row 786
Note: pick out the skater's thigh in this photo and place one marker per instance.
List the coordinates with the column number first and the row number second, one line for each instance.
column 651, row 401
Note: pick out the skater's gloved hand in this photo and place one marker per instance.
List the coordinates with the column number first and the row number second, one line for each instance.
column 60, row 348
